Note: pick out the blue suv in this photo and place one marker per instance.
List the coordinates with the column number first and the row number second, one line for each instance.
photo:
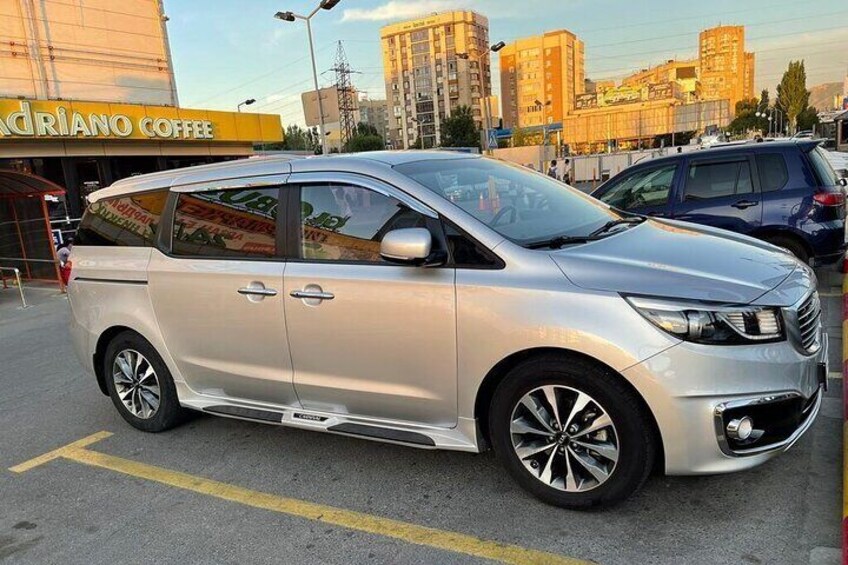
column 783, row 192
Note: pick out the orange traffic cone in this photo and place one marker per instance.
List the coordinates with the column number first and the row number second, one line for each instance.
column 482, row 204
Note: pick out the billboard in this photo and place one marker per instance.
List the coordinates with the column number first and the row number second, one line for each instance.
column 585, row 101
column 330, row 100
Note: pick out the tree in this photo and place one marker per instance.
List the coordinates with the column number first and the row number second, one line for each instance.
column 520, row 137
column 792, row 94
column 808, row 119
column 460, row 130
column 366, row 138
column 746, row 119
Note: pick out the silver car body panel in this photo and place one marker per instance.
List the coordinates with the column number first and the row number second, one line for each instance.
column 433, row 335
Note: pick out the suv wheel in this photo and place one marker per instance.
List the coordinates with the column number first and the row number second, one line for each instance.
column 792, row 245
column 571, row 432
column 140, row 384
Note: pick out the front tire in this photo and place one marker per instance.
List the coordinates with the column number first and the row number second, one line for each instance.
column 571, row 432
column 140, row 385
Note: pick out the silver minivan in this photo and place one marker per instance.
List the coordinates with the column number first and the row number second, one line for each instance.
column 449, row 301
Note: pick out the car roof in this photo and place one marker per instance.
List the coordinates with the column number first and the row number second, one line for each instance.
column 270, row 165
column 734, row 147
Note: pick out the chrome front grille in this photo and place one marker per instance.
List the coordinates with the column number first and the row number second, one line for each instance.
column 809, row 323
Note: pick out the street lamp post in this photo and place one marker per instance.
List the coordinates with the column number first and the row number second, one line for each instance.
column 487, row 124
column 290, row 17
column 247, row 102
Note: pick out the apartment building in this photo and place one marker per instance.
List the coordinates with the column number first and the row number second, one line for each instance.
column 541, row 76
column 433, row 65
column 726, row 69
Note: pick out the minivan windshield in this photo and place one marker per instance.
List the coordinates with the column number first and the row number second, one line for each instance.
column 523, row 206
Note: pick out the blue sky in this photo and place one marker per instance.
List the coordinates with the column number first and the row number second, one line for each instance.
column 227, row 50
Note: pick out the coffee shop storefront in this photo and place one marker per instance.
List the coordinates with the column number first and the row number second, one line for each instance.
column 84, row 146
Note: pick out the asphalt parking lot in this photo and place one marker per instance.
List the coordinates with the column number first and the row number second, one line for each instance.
column 224, row 491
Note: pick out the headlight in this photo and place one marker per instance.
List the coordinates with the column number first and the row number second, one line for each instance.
column 712, row 324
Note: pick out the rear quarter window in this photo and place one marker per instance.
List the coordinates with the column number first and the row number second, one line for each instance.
column 127, row 221
column 772, row 171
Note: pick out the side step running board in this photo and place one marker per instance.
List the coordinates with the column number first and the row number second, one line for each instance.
column 249, row 413
column 382, row 433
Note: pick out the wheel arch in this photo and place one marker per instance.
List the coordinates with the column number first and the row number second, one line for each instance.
column 498, row 373
column 767, row 232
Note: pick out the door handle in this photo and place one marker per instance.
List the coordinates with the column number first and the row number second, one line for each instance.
column 742, row 204
column 657, row 214
column 257, row 291
column 312, row 294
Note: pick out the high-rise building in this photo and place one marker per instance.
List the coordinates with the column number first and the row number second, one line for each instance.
column 375, row 113
column 726, row 70
column 540, row 78
column 432, row 66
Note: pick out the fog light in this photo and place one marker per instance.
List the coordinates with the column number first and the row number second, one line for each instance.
column 740, row 428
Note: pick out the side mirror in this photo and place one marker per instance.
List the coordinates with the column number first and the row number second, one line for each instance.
column 843, row 181
column 408, row 246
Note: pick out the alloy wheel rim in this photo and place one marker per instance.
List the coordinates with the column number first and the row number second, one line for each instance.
column 564, row 438
column 136, row 383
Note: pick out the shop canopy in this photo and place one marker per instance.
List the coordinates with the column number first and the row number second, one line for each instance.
column 22, row 185
column 26, row 240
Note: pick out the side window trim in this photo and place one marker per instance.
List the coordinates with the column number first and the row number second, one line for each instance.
column 366, row 182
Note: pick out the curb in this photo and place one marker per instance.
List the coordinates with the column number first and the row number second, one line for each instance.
column 845, row 420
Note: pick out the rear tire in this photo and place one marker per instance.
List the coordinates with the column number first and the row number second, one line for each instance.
column 793, row 246
column 140, row 384
column 584, row 468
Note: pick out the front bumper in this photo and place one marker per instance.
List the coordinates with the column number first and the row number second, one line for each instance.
column 690, row 388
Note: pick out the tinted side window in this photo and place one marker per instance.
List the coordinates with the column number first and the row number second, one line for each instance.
column 126, row 221
column 714, row 180
column 642, row 188
column 772, row 169
column 226, row 223
column 347, row 223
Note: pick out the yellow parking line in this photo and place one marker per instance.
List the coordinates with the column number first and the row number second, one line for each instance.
column 56, row 453
column 404, row 531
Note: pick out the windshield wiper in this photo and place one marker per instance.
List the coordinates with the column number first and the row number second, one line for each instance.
column 619, row 222
column 560, row 240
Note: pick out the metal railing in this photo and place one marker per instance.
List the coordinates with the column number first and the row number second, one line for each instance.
column 18, row 281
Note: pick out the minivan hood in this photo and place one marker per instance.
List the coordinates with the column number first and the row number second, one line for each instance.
column 677, row 260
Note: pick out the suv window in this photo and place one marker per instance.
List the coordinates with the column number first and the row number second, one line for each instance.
column 827, row 176
column 126, row 221
column 226, row 223
column 717, row 179
column 347, row 223
column 643, row 188
column 772, row 170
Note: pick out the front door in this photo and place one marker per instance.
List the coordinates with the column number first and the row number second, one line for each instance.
column 367, row 338
column 720, row 192
column 218, row 296
column 643, row 191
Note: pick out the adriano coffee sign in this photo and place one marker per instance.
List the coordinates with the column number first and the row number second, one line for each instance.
column 48, row 119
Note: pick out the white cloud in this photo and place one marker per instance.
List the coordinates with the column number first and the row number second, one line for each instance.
column 397, row 9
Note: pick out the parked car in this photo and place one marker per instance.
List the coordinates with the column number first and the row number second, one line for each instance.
column 783, row 192
column 351, row 295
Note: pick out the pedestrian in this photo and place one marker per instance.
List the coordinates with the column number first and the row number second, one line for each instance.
column 566, row 175
column 679, row 149
column 552, row 170
column 64, row 255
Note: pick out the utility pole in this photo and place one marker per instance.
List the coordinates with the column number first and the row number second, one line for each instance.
column 348, row 104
